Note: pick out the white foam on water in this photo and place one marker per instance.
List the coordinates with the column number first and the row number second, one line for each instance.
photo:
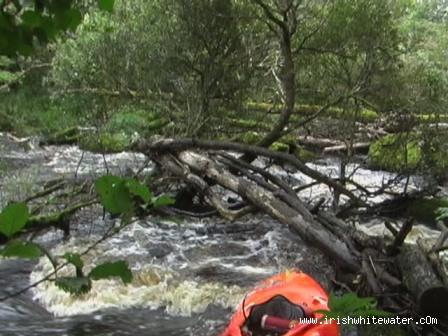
column 154, row 285
column 68, row 159
column 378, row 229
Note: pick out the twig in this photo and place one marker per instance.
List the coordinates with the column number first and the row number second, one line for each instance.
column 79, row 164
column 401, row 235
column 45, row 192
column 110, row 233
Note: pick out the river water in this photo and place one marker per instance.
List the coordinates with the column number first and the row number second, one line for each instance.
column 188, row 274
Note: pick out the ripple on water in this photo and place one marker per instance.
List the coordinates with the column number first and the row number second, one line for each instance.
column 176, row 280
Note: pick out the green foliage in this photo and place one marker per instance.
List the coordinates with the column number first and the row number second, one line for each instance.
column 383, row 330
column 280, row 147
column 351, row 43
column 81, row 284
column 21, row 249
column 138, row 189
column 198, row 69
column 406, row 152
column 131, row 120
column 7, row 77
column 114, row 269
column 13, row 218
column 250, row 138
column 364, row 115
column 22, row 23
column 395, row 153
column 162, row 200
column 426, row 210
column 28, row 111
column 74, row 285
column 351, row 305
column 304, row 154
column 114, row 194
column 442, row 213
column 66, row 136
column 106, row 142
column 122, row 195
column 75, row 260
column 107, row 5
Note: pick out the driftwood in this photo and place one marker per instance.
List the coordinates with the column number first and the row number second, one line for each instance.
column 419, row 277
column 359, row 147
column 212, row 165
column 280, row 202
column 318, row 143
column 400, row 235
column 178, row 145
column 296, row 216
column 439, row 263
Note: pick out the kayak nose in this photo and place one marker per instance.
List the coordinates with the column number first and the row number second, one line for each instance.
column 283, row 304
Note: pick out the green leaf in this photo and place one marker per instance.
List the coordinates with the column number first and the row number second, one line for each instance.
column 49, row 28
column 75, row 260
column 31, row 19
column 13, row 218
column 351, row 305
column 138, row 189
column 114, row 269
column 21, row 249
column 349, row 302
column 74, row 285
column 442, row 213
column 162, row 200
column 106, row 5
column 114, row 195
column 7, row 76
column 74, row 18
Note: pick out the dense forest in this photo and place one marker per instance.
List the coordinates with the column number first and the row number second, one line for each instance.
column 159, row 158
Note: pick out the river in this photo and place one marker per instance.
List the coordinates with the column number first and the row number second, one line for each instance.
column 188, row 274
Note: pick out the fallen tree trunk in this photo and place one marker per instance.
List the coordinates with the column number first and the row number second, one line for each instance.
column 318, row 143
column 181, row 144
column 359, row 147
column 361, row 257
column 420, row 278
column 302, row 222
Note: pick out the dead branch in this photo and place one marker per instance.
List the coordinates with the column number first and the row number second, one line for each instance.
column 182, row 144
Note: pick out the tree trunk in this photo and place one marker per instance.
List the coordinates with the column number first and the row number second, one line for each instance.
column 420, row 278
column 288, row 91
column 302, row 222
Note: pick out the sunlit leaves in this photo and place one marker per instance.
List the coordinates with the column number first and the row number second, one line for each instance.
column 13, row 218
column 115, row 269
column 21, row 249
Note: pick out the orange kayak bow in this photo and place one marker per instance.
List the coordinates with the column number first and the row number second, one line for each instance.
column 299, row 289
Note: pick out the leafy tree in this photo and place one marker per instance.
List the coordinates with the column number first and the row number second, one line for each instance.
column 23, row 23
column 186, row 54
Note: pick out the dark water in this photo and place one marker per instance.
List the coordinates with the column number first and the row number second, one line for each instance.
column 188, row 275
column 208, row 260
